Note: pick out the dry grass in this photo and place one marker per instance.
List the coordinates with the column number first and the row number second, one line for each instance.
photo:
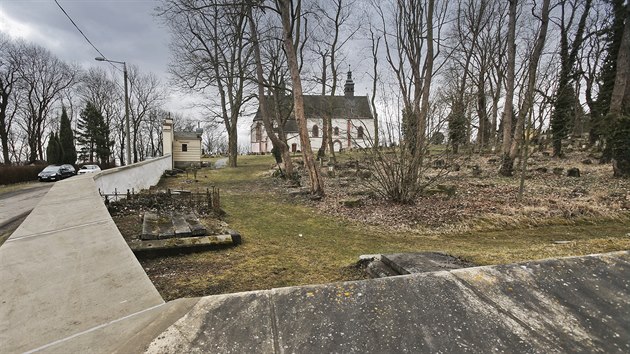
column 291, row 241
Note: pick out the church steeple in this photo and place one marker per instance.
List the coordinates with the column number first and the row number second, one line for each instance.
column 348, row 89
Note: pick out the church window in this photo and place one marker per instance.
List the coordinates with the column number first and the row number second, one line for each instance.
column 360, row 133
column 336, row 131
column 315, row 131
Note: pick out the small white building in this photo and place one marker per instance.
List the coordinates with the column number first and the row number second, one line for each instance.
column 184, row 146
column 351, row 116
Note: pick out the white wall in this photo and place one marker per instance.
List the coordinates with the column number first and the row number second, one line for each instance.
column 340, row 140
column 137, row 176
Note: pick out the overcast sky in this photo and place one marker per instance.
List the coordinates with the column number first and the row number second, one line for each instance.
column 123, row 30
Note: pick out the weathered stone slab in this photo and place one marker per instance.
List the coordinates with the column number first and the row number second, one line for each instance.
column 182, row 242
column 150, row 228
column 165, row 227
column 422, row 262
column 182, row 229
column 196, row 227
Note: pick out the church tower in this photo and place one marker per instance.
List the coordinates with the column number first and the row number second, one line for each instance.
column 348, row 89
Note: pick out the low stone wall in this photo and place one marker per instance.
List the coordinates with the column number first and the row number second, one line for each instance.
column 137, row 176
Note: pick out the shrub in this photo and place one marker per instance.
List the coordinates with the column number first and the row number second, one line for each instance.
column 17, row 174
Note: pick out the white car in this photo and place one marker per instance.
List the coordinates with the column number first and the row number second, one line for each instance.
column 89, row 169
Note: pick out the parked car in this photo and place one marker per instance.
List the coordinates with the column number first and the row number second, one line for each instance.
column 56, row 172
column 89, row 169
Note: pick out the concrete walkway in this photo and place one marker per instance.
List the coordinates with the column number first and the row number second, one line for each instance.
column 66, row 270
column 70, row 284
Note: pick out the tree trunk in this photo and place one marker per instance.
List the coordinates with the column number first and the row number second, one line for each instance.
column 263, row 103
column 528, row 101
column 620, row 99
column 507, row 163
column 317, row 185
column 232, row 146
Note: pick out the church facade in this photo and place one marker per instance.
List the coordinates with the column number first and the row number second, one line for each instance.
column 351, row 116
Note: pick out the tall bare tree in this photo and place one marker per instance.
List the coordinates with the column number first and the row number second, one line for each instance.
column 506, row 166
column 569, row 49
column 289, row 14
column 335, row 28
column 410, row 30
column 44, row 77
column 9, row 82
column 211, row 55
column 528, row 96
column 146, row 94
column 275, row 101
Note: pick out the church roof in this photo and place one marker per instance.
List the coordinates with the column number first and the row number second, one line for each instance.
column 187, row 135
column 353, row 107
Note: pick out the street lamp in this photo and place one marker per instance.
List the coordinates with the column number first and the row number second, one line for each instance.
column 128, row 147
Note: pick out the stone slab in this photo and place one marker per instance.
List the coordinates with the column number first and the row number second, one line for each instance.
column 234, row 323
column 422, row 262
column 578, row 304
column 195, row 226
column 181, row 227
column 182, row 242
column 150, row 227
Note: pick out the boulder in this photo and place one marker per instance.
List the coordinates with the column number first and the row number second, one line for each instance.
column 351, row 203
column 542, row 170
column 573, row 172
column 558, row 171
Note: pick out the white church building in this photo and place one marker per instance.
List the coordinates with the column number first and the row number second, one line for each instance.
column 351, row 116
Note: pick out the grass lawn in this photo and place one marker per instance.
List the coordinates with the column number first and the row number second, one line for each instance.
column 286, row 242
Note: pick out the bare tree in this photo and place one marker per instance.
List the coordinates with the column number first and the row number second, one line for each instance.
column 212, row 56
column 509, row 91
column 528, row 96
column 9, row 81
column 335, row 29
column 472, row 18
column 565, row 95
column 410, row 30
column 44, row 77
column 146, row 94
column 278, row 140
column 375, row 77
column 289, row 15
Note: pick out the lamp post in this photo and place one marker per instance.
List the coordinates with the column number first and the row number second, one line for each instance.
column 127, row 137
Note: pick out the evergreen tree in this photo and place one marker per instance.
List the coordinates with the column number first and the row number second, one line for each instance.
column 457, row 126
column 66, row 139
column 103, row 144
column 93, row 135
column 54, row 154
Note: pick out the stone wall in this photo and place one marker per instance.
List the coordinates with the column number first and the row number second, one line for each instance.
column 137, row 176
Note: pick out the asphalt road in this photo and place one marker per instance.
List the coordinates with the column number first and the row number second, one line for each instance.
column 16, row 205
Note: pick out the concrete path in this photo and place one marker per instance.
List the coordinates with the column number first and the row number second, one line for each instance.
column 67, row 270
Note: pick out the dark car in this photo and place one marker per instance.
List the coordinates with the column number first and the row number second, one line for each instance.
column 56, row 172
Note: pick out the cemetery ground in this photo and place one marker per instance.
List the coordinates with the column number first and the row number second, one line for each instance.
column 289, row 239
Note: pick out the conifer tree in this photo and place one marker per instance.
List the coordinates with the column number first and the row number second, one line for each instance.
column 66, row 139
column 54, row 154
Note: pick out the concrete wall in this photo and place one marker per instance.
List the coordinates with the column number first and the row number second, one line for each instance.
column 141, row 175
